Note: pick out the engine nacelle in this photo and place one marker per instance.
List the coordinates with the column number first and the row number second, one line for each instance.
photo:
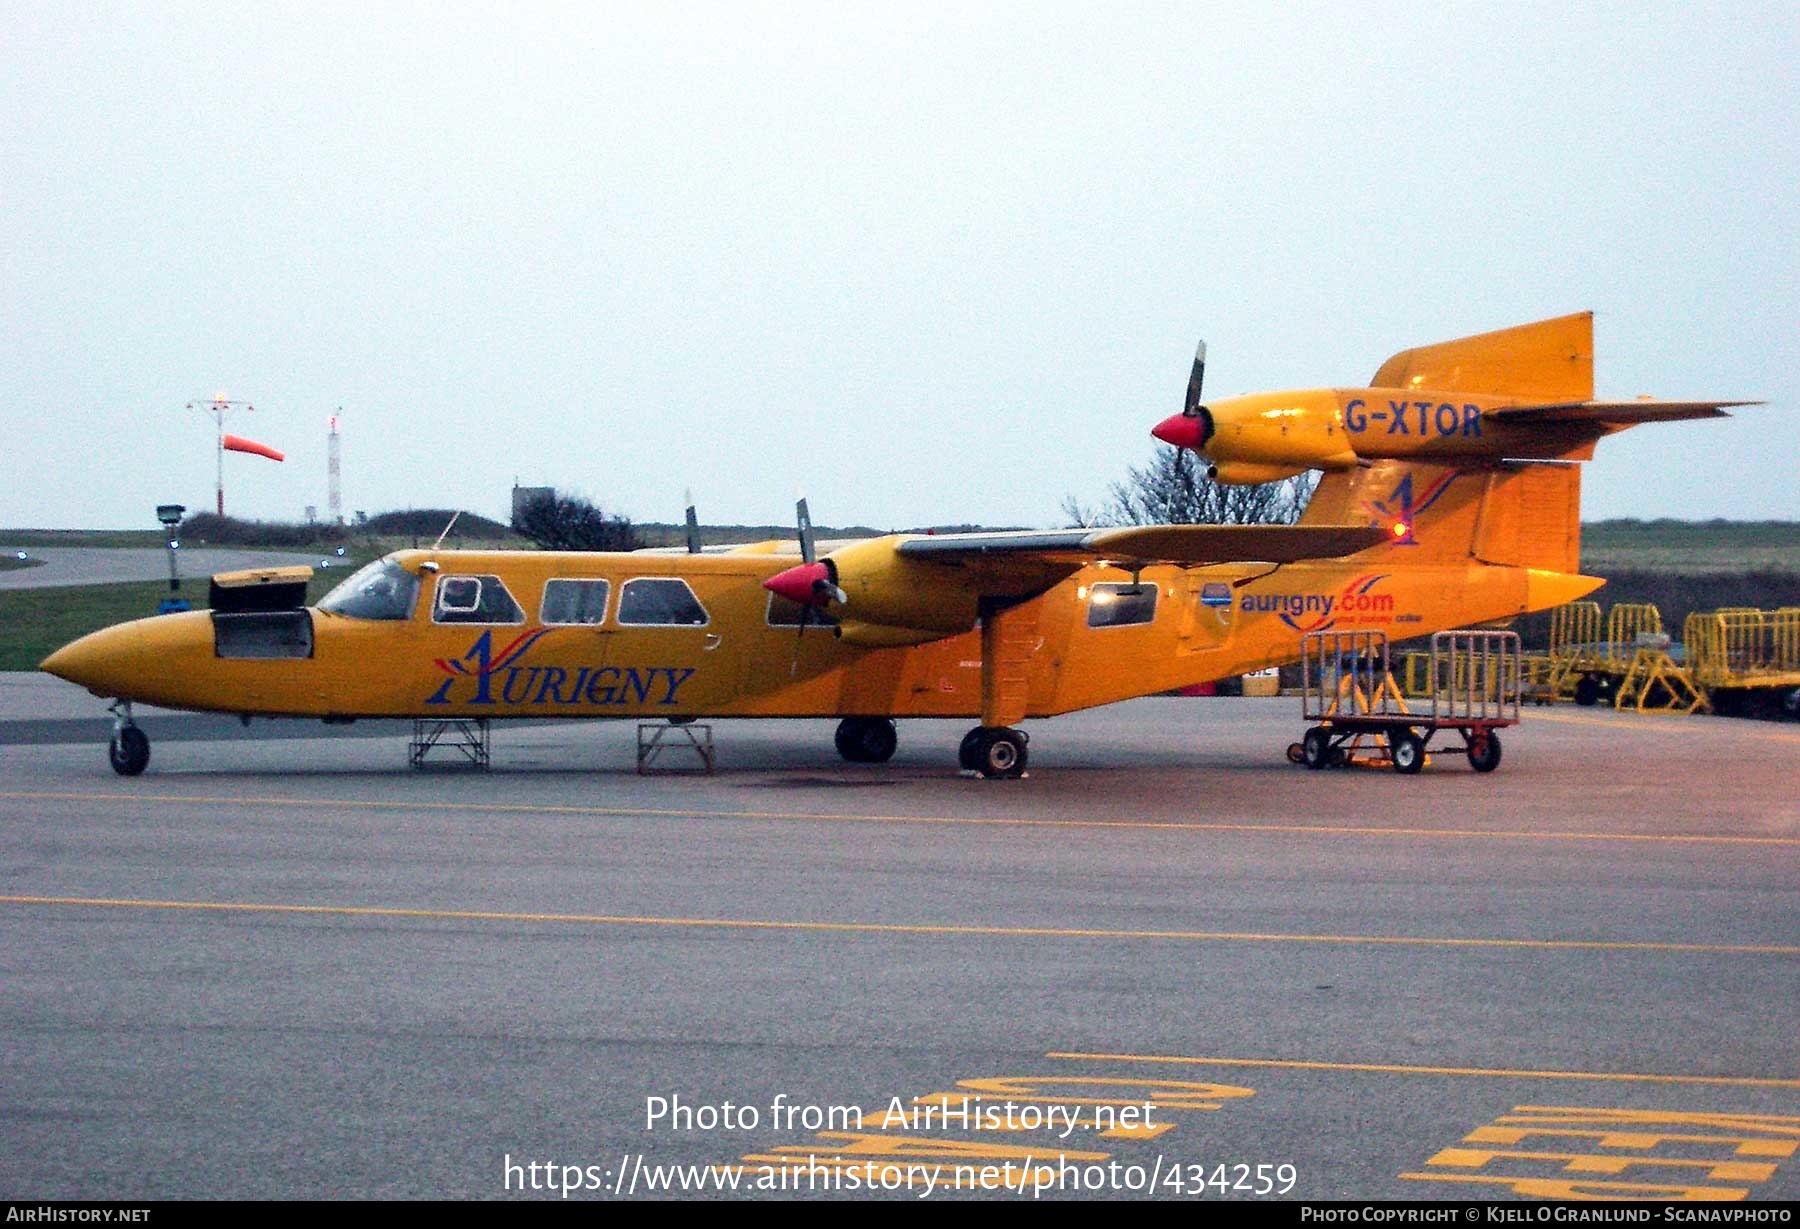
column 1284, row 432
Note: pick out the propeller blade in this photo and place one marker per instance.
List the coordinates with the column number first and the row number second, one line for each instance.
column 693, row 526
column 1191, row 408
column 808, row 550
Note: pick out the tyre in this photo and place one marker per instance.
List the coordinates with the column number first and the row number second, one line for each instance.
column 1484, row 750
column 1587, row 691
column 866, row 740
column 1407, row 750
column 129, row 752
column 1002, row 754
column 968, row 756
column 1315, row 747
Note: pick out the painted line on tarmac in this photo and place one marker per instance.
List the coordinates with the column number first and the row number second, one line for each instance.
column 1654, row 724
column 1498, row 1073
column 516, row 808
column 898, row 928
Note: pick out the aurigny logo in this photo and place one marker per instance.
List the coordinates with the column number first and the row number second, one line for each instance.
column 499, row 679
column 1400, row 508
column 1326, row 608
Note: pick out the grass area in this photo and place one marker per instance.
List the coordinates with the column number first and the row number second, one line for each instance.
column 39, row 621
column 36, row 622
column 1690, row 548
column 80, row 537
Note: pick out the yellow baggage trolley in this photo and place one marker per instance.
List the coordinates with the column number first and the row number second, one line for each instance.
column 1348, row 691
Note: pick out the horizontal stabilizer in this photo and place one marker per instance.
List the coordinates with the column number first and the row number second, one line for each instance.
column 1189, row 545
column 1624, row 413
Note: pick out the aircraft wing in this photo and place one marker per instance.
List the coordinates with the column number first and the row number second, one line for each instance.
column 942, row 578
column 1625, row 413
column 1188, row 545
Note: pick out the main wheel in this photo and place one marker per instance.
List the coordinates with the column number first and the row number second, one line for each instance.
column 129, row 752
column 1315, row 747
column 1001, row 753
column 1484, row 750
column 866, row 740
column 1587, row 691
column 1407, row 750
column 968, row 755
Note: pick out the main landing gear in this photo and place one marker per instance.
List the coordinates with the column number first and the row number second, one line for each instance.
column 866, row 740
column 993, row 751
column 130, row 747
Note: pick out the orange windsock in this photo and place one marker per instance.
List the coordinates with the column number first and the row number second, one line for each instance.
column 237, row 443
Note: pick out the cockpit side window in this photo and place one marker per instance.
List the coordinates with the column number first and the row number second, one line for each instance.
column 380, row 590
column 660, row 601
column 475, row 599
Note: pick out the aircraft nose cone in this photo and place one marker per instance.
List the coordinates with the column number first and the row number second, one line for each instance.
column 796, row 584
column 99, row 661
column 1181, row 430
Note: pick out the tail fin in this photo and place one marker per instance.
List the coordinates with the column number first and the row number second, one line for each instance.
column 1550, row 359
column 1523, row 515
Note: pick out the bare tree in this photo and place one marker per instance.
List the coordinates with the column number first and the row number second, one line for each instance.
column 1173, row 489
column 564, row 522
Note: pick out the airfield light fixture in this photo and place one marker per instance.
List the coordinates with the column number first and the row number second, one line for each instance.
column 169, row 516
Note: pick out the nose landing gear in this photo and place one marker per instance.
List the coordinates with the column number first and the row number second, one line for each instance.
column 129, row 750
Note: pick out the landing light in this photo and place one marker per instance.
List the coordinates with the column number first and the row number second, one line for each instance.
column 1400, row 529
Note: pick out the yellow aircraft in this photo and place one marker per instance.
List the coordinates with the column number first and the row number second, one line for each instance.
column 1413, row 528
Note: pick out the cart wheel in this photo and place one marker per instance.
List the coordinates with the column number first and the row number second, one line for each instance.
column 1587, row 691
column 1315, row 748
column 1296, row 753
column 1484, row 750
column 1407, row 750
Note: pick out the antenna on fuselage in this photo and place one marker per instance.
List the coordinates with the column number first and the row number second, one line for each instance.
column 447, row 528
column 693, row 525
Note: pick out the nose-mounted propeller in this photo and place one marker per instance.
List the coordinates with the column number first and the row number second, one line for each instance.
column 1193, row 427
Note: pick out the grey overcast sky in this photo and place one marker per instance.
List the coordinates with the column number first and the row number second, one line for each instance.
column 930, row 263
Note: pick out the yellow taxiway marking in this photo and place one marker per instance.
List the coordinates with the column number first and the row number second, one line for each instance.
column 1653, row 723
column 515, row 808
column 1499, row 1073
column 900, row 928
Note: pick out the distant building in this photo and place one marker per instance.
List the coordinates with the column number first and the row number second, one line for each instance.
column 523, row 495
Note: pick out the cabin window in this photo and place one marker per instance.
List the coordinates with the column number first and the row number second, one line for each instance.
column 1121, row 605
column 783, row 613
column 574, row 601
column 475, row 599
column 657, row 601
column 381, row 590
column 265, row 634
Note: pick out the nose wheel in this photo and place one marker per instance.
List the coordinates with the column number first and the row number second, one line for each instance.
column 129, row 750
column 993, row 751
